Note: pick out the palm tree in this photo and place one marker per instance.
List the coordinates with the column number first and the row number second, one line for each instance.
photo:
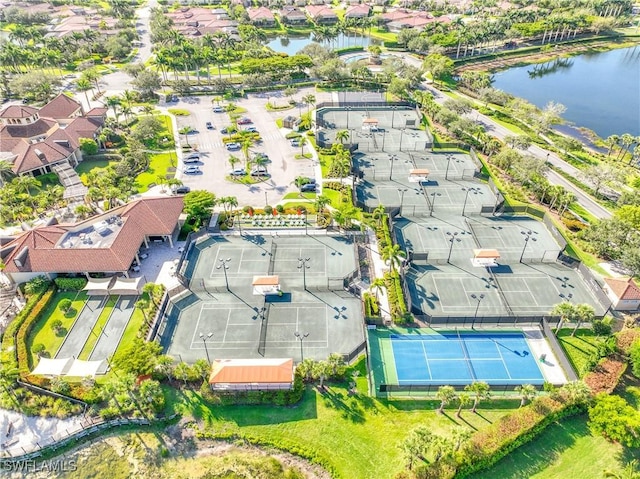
column 610, row 142
column 527, row 392
column 143, row 305
column 185, row 131
column 463, row 400
column 393, row 256
column 84, row 85
column 320, row 203
column 480, row 391
column 342, row 136
column 114, row 102
column 321, row 369
column 377, row 286
column 584, row 314
column 445, row 394
column 309, row 100
column 566, row 311
column 460, row 435
column 626, row 141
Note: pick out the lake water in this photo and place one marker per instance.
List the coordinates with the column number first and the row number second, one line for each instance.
column 601, row 91
column 292, row 45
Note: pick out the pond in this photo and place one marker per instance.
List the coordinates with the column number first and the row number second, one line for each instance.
column 601, row 91
column 292, row 45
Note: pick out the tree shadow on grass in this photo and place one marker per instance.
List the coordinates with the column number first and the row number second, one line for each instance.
column 349, row 406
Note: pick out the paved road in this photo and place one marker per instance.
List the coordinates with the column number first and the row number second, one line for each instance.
column 119, row 81
column 500, row 132
column 82, row 327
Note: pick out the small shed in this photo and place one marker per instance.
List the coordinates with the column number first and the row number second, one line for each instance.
column 623, row 292
column 485, row 257
column 264, row 285
column 418, row 175
column 370, row 124
column 251, row 374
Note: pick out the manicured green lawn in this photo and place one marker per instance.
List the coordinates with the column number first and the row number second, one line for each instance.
column 563, row 451
column 97, row 328
column 580, row 346
column 158, row 168
column 295, row 196
column 42, row 332
column 357, row 436
column 87, row 165
column 334, row 196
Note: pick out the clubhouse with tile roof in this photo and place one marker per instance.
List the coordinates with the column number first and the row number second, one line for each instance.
column 107, row 244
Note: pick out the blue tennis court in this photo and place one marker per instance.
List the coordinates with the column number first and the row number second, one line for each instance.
column 462, row 358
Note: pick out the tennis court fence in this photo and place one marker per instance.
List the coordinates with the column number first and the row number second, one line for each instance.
column 555, row 346
column 448, row 322
column 428, row 389
column 264, row 320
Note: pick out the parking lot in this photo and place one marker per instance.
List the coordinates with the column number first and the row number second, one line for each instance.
column 214, row 164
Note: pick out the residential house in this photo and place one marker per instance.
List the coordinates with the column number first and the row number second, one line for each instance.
column 262, row 374
column 34, row 142
column 361, row 10
column 293, row 16
column 261, row 16
column 623, row 293
column 105, row 244
column 322, row 14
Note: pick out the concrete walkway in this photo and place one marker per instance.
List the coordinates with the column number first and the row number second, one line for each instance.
column 379, row 268
column 82, row 327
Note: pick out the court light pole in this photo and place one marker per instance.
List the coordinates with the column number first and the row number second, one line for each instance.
column 402, row 191
column 452, row 239
column 478, row 298
column 401, row 135
column 392, row 158
column 204, row 341
column 266, row 201
column 527, row 237
column 224, row 265
column 304, row 266
column 466, row 196
column 446, row 172
column 433, row 201
column 301, row 337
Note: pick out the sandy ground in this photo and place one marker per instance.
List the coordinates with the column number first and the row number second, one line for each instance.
column 25, row 431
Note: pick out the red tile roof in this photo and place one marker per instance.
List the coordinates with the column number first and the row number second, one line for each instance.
column 18, row 111
column 60, row 107
column 144, row 217
column 260, row 13
column 623, row 288
column 251, row 371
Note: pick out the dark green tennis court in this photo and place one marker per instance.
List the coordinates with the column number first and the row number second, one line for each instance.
column 247, row 325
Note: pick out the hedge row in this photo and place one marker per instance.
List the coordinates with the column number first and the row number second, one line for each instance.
column 371, row 306
column 9, row 350
column 25, row 329
column 70, row 284
column 487, row 446
column 395, row 295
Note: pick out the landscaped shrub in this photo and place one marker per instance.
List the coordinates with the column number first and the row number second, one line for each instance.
column 64, row 306
column 25, row 328
column 9, row 351
column 36, row 285
column 371, row 307
column 268, row 209
column 70, row 284
column 395, row 295
column 605, row 376
column 601, row 327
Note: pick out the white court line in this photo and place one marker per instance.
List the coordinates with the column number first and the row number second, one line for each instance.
column 224, row 336
column 196, row 330
column 426, row 360
column 504, row 363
